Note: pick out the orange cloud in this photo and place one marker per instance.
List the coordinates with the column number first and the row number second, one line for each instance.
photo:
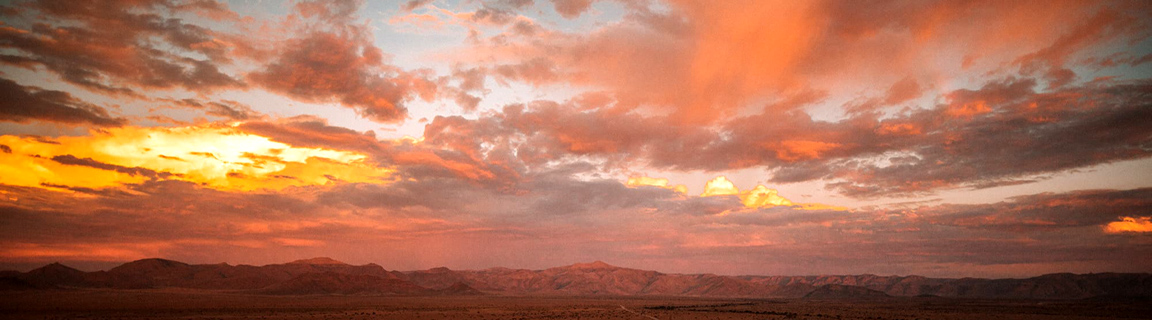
column 294, row 242
column 969, row 109
column 734, row 55
column 899, row 129
column 216, row 156
column 98, row 252
column 794, row 150
column 1130, row 224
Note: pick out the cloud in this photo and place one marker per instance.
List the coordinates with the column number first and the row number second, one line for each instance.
column 724, row 190
column 216, row 156
column 1046, row 211
column 23, row 104
column 226, row 109
column 319, row 53
column 336, row 61
column 762, row 196
column 119, row 46
column 903, row 90
column 412, row 157
column 703, row 63
column 1002, row 132
column 645, row 227
column 639, row 181
column 1129, row 224
column 758, row 197
column 315, row 132
column 413, row 4
column 517, row 4
column 677, row 99
column 720, row 186
column 88, row 162
column 329, row 67
column 293, row 242
column 544, row 131
column 92, row 252
column 941, row 97
column 571, row 9
column 1103, row 26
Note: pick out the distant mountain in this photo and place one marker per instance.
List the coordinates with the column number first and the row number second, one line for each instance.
column 595, row 278
column 458, row 289
column 844, row 292
column 435, row 278
column 342, row 283
column 329, row 276
column 318, row 261
column 54, row 274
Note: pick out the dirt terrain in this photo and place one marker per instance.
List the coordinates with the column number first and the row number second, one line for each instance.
column 201, row 304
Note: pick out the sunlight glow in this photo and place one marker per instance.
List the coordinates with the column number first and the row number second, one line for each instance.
column 758, row 197
column 217, row 156
column 634, row 182
column 1130, row 224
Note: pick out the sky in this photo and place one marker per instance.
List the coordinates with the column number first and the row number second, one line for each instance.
column 937, row 138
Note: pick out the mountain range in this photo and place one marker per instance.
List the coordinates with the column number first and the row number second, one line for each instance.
column 328, row 276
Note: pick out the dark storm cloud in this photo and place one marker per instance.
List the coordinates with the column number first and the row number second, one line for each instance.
column 88, row 162
column 25, row 104
column 227, row 109
column 1086, row 208
column 1011, row 134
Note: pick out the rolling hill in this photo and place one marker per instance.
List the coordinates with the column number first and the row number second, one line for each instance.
column 329, row 276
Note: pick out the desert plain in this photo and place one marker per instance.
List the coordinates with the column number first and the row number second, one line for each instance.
column 203, row 304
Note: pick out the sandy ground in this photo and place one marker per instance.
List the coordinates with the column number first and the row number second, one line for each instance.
column 185, row 304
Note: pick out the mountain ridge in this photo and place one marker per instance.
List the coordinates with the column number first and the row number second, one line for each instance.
column 328, row 276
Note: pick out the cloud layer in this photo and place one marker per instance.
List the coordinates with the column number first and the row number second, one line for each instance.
column 768, row 137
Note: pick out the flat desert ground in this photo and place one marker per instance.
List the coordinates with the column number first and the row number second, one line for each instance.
column 186, row 304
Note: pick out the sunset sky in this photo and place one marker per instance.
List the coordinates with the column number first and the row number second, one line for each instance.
column 939, row 138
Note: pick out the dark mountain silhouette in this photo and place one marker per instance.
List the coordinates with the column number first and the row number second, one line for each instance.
column 14, row 283
column 459, row 289
column 435, row 278
column 342, row 283
column 54, row 274
column 318, row 261
column 844, row 292
column 329, row 276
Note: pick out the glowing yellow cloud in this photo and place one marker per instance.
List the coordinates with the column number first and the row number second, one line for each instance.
column 655, row 182
column 759, row 197
column 720, row 186
column 1130, row 224
column 215, row 156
